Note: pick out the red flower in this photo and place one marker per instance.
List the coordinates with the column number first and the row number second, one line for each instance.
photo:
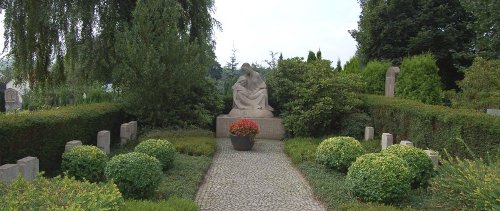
column 244, row 127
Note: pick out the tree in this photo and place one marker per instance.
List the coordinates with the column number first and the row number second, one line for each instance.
column 273, row 63
column 163, row 75
column 339, row 66
column 281, row 57
column 374, row 76
column 232, row 65
column 391, row 30
column 311, row 57
column 216, row 71
column 318, row 54
column 353, row 66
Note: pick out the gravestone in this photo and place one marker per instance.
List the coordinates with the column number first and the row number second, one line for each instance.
column 386, row 140
column 434, row 156
column 12, row 102
column 369, row 131
column 8, row 172
column 494, row 112
column 29, row 167
column 104, row 140
column 133, row 129
column 406, row 143
column 71, row 144
column 124, row 133
column 390, row 81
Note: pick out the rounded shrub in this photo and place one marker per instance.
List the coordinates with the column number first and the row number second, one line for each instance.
column 136, row 174
column 161, row 149
column 85, row 162
column 421, row 167
column 378, row 177
column 339, row 152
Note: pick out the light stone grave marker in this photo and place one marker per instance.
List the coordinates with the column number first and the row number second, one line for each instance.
column 390, row 81
column 369, row 131
column 9, row 172
column 124, row 133
column 434, row 156
column 71, row 144
column 29, row 167
column 494, row 112
column 104, row 140
column 133, row 129
column 406, row 143
column 12, row 102
column 386, row 140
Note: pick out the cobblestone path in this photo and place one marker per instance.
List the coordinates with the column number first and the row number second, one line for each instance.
column 260, row 179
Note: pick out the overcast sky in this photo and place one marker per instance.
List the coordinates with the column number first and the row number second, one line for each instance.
column 292, row 27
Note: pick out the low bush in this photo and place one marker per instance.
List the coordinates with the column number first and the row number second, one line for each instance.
column 354, row 125
column 136, row 174
column 85, row 162
column 339, row 152
column 60, row 193
column 301, row 149
column 421, row 167
column 191, row 142
column 173, row 203
column 43, row 134
column 463, row 133
column 161, row 149
column 377, row 177
column 469, row 184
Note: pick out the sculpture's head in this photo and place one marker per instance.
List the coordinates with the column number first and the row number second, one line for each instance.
column 247, row 69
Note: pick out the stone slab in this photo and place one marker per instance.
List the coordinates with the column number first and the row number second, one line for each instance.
column 71, row 144
column 386, row 140
column 406, row 143
column 133, row 129
column 494, row 112
column 104, row 140
column 434, row 156
column 270, row 128
column 8, row 173
column 29, row 167
column 125, row 133
column 369, row 131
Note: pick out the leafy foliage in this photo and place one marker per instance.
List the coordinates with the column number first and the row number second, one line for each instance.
column 194, row 142
column 162, row 150
column 136, row 174
column 163, row 75
column 85, row 162
column 310, row 96
column 420, row 165
column 353, row 66
column 419, row 80
column 374, row 76
column 480, row 87
column 339, row 152
column 60, row 193
column 173, row 203
column 301, row 149
column 379, row 177
column 391, row 30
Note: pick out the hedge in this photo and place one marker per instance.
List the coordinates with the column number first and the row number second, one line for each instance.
column 44, row 133
column 463, row 133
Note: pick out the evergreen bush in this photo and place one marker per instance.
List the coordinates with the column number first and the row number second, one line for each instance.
column 339, row 152
column 421, row 167
column 85, row 162
column 162, row 150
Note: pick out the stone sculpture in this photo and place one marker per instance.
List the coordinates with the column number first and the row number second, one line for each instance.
column 250, row 95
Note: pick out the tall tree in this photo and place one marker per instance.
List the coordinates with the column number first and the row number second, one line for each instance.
column 393, row 29
column 311, row 57
column 232, row 65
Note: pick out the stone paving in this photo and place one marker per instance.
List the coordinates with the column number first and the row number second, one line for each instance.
column 260, row 179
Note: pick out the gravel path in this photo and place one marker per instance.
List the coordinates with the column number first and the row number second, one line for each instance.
column 260, row 179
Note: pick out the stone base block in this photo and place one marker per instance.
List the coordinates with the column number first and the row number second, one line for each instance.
column 270, row 128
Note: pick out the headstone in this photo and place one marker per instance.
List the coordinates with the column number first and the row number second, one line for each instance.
column 390, row 81
column 133, row 129
column 12, row 102
column 434, row 156
column 104, row 140
column 29, row 167
column 494, row 112
column 406, row 143
column 71, row 144
column 8, row 173
column 124, row 133
column 386, row 140
column 369, row 133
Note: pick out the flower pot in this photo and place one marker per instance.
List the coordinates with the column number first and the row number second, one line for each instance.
column 242, row 143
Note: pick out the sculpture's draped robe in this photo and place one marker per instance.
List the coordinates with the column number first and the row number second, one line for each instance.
column 250, row 97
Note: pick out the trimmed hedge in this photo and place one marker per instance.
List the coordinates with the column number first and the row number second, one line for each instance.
column 463, row 133
column 43, row 134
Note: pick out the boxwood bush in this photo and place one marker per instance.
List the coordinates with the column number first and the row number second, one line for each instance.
column 377, row 177
column 60, row 193
column 421, row 167
column 85, row 162
column 44, row 133
column 162, row 150
column 136, row 174
column 339, row 152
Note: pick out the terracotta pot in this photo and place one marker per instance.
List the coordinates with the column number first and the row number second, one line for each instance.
column 242, row 143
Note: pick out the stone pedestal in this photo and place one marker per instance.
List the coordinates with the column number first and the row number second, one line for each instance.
column 104, row 140
column 270, row 128
column 369, row 131
column 29, row 167
column 386, row 140
column 8, row 173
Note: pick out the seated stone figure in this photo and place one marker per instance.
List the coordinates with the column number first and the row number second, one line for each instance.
column 250, row 95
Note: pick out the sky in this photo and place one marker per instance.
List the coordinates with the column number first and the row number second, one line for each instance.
column 292, row 27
